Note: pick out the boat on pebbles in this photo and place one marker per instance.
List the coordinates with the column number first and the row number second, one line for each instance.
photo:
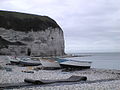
column 68, row 63
column 65, row 63
column 50, row 63
column 32, row 82
column 23, row 61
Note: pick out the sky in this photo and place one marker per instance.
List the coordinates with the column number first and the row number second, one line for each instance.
column 88, row 25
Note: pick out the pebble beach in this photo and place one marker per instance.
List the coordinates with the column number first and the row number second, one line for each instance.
column 97, row 79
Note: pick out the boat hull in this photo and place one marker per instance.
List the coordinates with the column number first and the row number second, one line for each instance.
column 49, row 63
column 74, row 67
column 24, row 63
column 64, row 63
column 14, row 62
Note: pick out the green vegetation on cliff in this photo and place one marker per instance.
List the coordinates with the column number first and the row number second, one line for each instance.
column 25, row 22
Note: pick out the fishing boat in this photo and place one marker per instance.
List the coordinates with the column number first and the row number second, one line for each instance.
column 50, row 63
column 68, row 63
column 29, row 63
column 13, row 60
column 23, row 61
column 65, row 63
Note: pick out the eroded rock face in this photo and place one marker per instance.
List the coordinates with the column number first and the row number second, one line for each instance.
column 47, row 42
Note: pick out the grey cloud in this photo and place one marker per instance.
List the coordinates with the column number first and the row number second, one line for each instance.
column 88, row 25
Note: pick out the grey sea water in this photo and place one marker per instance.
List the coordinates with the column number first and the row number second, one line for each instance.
column 101, row 60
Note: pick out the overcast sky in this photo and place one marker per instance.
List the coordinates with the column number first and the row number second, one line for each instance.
column 88, row 25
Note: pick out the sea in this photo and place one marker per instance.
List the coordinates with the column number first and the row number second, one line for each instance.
column 101, row 60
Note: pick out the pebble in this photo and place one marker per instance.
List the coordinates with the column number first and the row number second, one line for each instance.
column 16, row 76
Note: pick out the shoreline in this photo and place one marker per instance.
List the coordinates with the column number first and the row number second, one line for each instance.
column 97, row 79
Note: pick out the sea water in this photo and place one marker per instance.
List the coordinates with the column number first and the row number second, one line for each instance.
column 101, row 60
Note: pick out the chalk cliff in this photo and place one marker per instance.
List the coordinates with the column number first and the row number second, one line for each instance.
column 28, row 34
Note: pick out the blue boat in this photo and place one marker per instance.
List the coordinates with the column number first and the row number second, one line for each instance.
column 68, row 63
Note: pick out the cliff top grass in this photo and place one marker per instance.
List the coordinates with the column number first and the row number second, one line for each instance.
column 21, row 15
column 25, row 22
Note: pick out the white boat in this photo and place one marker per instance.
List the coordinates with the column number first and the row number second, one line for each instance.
column 23, row 61
column 13, row 60
column 66, row 63
column 50, row 63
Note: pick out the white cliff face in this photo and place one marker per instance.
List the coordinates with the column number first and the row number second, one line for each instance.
column 49, row 42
